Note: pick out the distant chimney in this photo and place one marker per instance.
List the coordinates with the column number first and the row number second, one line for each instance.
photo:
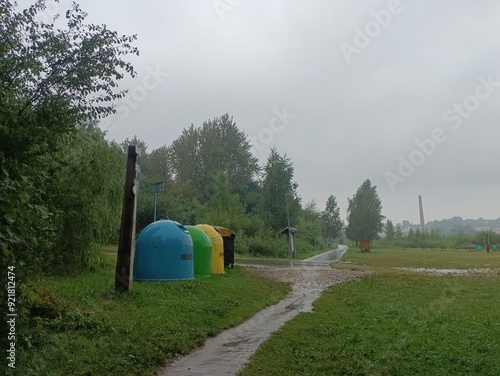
column 421, row 207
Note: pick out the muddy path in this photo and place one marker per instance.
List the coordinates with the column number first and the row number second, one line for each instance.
column 228, row 352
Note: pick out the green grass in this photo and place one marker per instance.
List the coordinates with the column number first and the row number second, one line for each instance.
column 81, row 327
column 395, row 322
column 418, row 258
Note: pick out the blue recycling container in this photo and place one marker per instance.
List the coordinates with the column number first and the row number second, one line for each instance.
column 164, row 252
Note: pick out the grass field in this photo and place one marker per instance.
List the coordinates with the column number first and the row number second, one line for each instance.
column 418, row 258
column 395, row 322
column 81, row 327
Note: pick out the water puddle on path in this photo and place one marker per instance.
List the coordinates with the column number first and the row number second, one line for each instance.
column 228, row 352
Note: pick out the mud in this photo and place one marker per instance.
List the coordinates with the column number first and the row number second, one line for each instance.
column 228, row 352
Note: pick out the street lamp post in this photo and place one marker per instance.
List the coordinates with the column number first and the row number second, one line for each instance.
column 291, row 246
column 155, row 188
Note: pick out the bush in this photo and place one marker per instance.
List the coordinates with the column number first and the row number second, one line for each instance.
column 262, row 247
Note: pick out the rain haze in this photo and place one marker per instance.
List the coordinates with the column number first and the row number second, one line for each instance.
column 403, row 93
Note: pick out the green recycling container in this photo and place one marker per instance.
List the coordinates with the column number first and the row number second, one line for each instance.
column 202, row 252
column 217, row 248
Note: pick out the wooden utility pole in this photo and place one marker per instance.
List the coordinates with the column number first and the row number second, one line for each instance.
column 126, row 244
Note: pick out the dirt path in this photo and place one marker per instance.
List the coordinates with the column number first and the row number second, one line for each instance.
column 228, row 352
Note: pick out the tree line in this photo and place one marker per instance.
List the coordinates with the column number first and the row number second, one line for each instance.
column 210, row 176
column 435, row 239
column 61, row 184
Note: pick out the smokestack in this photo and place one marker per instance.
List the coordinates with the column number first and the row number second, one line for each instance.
column 421, row 207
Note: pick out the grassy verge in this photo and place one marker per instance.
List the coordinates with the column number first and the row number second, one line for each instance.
column 418, row 258
column 79, row 326
column 395, row 322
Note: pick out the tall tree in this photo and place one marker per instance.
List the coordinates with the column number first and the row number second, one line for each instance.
column 223, row 200
column 158, row 167
column 310, row 225
column 217, row 146
column 88, row 199
column 389, row 230
column 398, row 234
column 141, row 145
column 330, row 218
column 51, row 80
column 278, row 192
column 364, row 213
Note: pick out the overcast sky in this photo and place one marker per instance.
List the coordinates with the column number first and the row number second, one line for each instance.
column 404, row 93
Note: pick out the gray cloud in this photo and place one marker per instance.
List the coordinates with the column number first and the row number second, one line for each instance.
column 353, row 120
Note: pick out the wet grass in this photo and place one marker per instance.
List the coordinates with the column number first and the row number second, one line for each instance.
column 418, row 258
column 395, row 322
column 79, row 326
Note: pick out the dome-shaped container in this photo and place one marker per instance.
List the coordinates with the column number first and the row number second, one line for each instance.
column 164, row 251
column 202, row 251
column 217, row 248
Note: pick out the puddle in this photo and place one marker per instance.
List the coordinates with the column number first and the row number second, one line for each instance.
column 320, row 260
column 228, row 352
column 449, row 271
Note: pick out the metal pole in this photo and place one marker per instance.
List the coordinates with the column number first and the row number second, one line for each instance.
column 291, row 245
column 288, row 221
column 154, row 218
column 287, row 212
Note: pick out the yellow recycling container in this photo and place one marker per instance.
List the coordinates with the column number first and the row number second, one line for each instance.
column 217, row 248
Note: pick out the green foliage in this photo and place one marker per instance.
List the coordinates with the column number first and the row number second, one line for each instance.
column 53, row 204
column 171, row 204
column 395, row 323
column 330, row 217
column 75, row 68
column 78, row 326
column 25, row 225
column 278, row 192
column 267, row 247
column 199, row 154
column 50, row 81
column 433, row 239
column 389, row 230
column 481, row 237
column 242, row 211
column 452, row 226
column 364, row 213
column 310, row 236
column 86, row 173
column 222, row 199
column 398, row 233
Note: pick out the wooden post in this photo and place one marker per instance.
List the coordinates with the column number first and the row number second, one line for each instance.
column 126, row 244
